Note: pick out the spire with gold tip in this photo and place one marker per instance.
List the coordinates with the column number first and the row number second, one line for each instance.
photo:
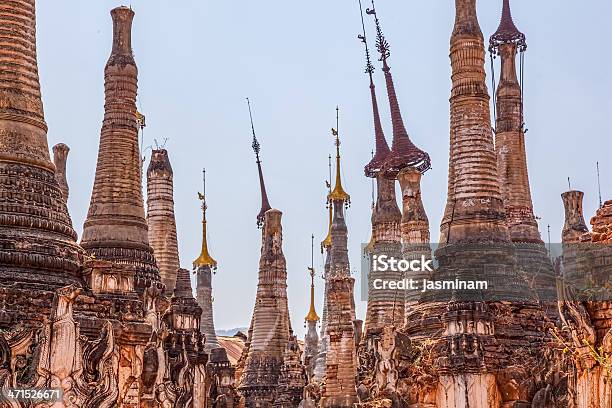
column 204, row 259
column 326, row 243
column 265, row 204
column 312, row 313
column 338, row 193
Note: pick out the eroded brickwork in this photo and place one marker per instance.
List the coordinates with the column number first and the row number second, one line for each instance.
column 115, row 228
column 160, row 217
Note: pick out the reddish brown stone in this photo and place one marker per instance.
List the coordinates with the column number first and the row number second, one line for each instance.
column 115, row 228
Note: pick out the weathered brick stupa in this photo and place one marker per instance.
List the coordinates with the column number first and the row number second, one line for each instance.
column 37, row 242
column 406, row 162
column 115, row 228
column 268, row 376
column 490, row 341
column 271, row 328
column 311, row 339
column 531, row 253
column 160, row 217
column 204, row 266
column 319, row 369
column 341, row 359
column 586, row 309
column 60, row 157
column 385, row 306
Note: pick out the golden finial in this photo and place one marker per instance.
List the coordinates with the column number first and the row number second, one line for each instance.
column 338, row 193
column 312, row 313
column 326, row 243
column 204, row 259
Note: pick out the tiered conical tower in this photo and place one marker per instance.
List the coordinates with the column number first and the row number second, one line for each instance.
column 37, row 241
column 507, row 42
column 385, row 306
column 160, row 217
column 115, row 228
column 267, row 377
column 319, row 369
column 311, row 340
column 204, row 266
column 479, row 334
column 341, row 359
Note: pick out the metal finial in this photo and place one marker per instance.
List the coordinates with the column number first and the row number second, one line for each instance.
column 312, row 314
column 599, row 186
column 256, row 146
column 381, row 42
column 265, row 204
column 569, row 184
column 338, row 194
column 205, row 259
column 369, row 67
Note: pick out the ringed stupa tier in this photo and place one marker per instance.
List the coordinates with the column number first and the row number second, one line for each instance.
column 115, row 229
column 385, row 307
column 478, row 335
column 205, row 265
column 531, row 253
column 160, row 217
column 37, row 241
column 270, row 326
column 269, row 356
column 341, row 359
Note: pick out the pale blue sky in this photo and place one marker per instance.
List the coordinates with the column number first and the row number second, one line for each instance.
column 198, row 60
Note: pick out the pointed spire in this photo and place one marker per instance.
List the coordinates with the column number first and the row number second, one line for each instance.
column 265, row 204
column 326, row 243
column 204, row 259
column 182, row 288
column 382, row 148
column 116, row 229
column 312, row 313
column 338, row 193
column 403, row 152
column 507, row 33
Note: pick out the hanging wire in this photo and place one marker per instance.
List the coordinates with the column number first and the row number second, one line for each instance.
column 522, row 76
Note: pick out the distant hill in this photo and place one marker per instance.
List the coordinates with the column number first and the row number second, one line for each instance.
column 231, row 332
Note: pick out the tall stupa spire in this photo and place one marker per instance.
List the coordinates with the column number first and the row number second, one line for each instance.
column 160, row 217
column 36, row 235
column 510, row 148
column 403, row 152
column 382, row 148
column 384, row 306
column 204, row 266
column 311, row 340
column 326, row 243
column 338, row 193
column 115, row 229
column 339, row 338
column 265, row 204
